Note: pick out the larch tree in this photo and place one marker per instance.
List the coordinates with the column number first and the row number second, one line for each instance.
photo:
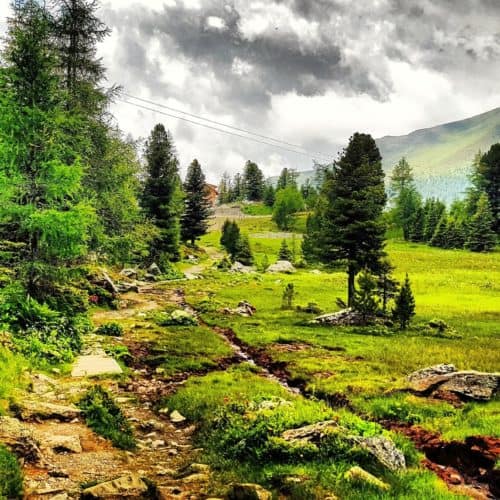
column 197, row 208
column 162, row 194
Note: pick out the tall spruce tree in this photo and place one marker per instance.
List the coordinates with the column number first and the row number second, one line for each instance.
column 269, row 195
column 440, row 236
column 287, row 178
column 197, row 208
column 417, row 227
column 481, row 237
column 351, row 228
column 224, row 189
column 230, row 235
column 253, row 181
column 433, row 211
column 162, row 195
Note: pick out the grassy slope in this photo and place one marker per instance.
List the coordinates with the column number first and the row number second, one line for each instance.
column 459, row 287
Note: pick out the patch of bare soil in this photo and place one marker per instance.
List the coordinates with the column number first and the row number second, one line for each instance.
column 468, row 465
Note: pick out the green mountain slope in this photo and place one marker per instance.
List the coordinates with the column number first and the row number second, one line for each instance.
column 441, row 155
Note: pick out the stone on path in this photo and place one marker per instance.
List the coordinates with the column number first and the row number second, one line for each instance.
column 248, row 491
column 95, row 364
column 29, row 410
column 62, row 443
column 129, row 486
column 176, row 417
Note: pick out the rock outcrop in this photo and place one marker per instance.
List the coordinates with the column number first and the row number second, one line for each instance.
column 440, row 380
column 248, row 491
column 129, row 486
column 345, row 317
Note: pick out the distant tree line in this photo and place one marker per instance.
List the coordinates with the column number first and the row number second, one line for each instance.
column 471, row 223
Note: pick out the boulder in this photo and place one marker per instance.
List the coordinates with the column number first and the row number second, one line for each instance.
column 102, row 279
column 444, row 379
column 154, row 270
column 248, row 491
column 282, row 266
column 19, row 438
column 129, row 273
column 34, row 410
column 238, row 267
column 128, row 486
column 345, row 317
column 427, row 378
column 245, row 309
column 42, row 384
column 359, row 475
column 56, row 443
column 382, row 449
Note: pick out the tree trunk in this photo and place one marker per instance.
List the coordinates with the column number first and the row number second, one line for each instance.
column 351, row 276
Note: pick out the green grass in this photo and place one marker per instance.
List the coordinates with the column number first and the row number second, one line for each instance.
column 12, row 378
column 11, row 477
column 241, row 440
column 459, row 287
column 105, row 418
column 256, row 209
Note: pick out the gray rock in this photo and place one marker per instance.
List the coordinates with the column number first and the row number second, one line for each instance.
column 129, row 486
column 30, row 410
column 383, row 449
column 313, row 433
column 95, row 364
column 61, row 443
column 345, row 317
column 102, row 279
column 42, row 384
column 248, row 491
column 238, row 267
column 282, row 266
column 439, row 379
column 129, row 273
column 154, row 270
column 126, row 287
column 425, row 379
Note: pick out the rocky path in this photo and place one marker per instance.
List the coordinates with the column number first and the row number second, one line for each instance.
column 63, row 457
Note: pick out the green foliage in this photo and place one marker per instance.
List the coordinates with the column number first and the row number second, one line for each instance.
column 12, row 371
column 287, row 178
column 285, row 253
column 347, row 224
column 288, row 202
column 178, row 317
column 489, row 174
column 11, row 476
column 269, row 195
column 105, row 418
column 253, row 181
column 161, row 198
column 230, row 234
column 433, row 211
column 288, row 296
column 481, row 236
column 197, row 207
column 366, row 300
column 242, row 251
column 386, row 284
column 110, row 329
column 404, row 308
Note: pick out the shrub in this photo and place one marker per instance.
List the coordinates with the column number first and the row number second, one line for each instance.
column 311, row 308
column 11, row 478
column 105, row 418
column 404, row 308
column 285, row 253
column 288, row 296
column 242, row 251
column 176, row 318
column 110, row 329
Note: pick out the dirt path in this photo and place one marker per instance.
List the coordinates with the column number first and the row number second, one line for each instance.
column 165, row 448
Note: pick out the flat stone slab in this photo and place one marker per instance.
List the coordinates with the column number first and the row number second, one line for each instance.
column 95, row 364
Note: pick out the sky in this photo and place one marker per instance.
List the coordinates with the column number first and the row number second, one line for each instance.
column 308, row 72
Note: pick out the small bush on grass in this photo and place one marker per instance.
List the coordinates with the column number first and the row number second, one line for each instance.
column 105, row 418
column 176, row 318
column 11, row 478
column 110, row 329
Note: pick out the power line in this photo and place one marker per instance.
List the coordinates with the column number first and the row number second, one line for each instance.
column 316, row 153
column 308, row 155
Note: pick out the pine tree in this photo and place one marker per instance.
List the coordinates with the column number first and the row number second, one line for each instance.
column 455, row 232
column 351, row 228
column 366, row 300
column 269, row 195
column 433, row 211
column 404, row 309
column 230, row 236
column 386, row 284
column 285, row 253
column 253, row 182
column 162, row 196
column 288, row 296
column 481, row 237
column 197, row 209
column 490, row 173
column 417, row 227
column 237, row 192
column 287, row 178
column 243, row 251
column 309, row 241
column 224, row 189
column 440, row 236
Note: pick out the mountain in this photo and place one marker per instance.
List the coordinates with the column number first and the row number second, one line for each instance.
column 440, row 155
